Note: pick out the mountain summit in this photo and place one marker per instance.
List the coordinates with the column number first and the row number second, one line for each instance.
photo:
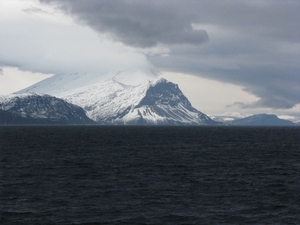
column 124, row 97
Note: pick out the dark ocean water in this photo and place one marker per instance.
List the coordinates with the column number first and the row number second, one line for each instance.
column 149, row 175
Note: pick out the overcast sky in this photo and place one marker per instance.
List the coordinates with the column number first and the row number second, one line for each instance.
column 226, row 55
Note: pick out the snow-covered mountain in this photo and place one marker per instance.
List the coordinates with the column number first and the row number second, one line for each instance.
column 124, row 97
column 40, row 109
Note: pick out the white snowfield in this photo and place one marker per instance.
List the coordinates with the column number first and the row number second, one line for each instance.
column 115, row 98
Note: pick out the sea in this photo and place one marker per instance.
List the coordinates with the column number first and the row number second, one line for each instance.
column 149, row 175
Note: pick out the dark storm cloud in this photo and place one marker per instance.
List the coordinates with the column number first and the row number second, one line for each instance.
column 255, row 44
column 136, row 23
column 273, row 77
column 146, row 23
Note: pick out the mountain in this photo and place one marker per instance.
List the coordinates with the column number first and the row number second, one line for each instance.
column 40, row 109
column 261, row 120
column 163, row 103
column 124, row 97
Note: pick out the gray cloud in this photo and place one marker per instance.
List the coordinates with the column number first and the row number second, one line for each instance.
column 255, row 44
column 274, row 81
column 50, row 43
column 146, row 23
column 137, row 23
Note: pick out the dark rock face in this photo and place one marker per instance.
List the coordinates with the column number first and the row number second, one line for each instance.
column 165, row 93
column 39, row 109
column 10, row 118
column 262, row 120
column 165, row 104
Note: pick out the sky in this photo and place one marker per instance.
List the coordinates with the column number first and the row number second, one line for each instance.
column 226, row 56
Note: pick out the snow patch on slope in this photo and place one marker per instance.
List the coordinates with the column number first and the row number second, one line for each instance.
column 63, row 85
column 101, row 96
column 106, row 99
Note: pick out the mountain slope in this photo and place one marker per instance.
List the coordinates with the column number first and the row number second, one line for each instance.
column 44, row 109
column 7, row 117
column 163, row 103
column 124, row 97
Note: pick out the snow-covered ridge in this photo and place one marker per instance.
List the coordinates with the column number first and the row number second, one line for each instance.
column 101, row 96
column 124, row 97
column 67, row 84
column 5, row 99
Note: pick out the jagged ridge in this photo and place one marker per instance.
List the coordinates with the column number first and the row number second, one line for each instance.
column 163, row 103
